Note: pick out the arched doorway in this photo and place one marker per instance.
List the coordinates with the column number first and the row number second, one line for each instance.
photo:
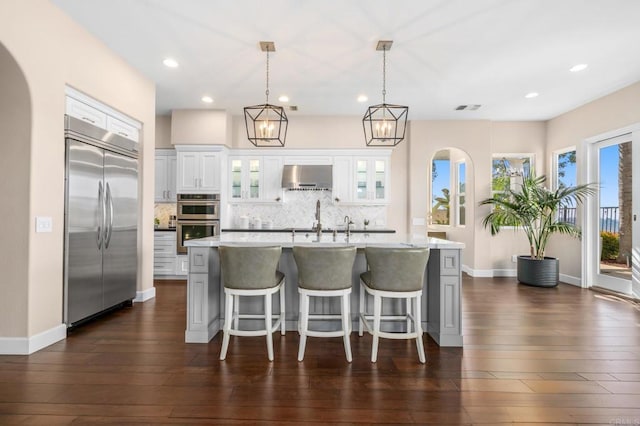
column 15, row 143
column 451, row 198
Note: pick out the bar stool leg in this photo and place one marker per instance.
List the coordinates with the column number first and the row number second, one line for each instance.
column 362, row 311
column 377, row 312
column 282, row 314
column 346, row 325
column 408, row 300
column 236, row 310
column 228, row 299
column 418, row 326
column 304, row 324
column 268, row 322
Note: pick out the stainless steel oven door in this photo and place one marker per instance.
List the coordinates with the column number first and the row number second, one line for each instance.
column 199, row 210
column 193, row 229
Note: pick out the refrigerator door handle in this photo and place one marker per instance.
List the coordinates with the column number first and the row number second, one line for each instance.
column 108, row 229
column 102, row 214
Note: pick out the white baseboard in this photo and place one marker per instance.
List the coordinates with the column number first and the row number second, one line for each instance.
column 568, row 279
column 143, row 296
column 29, row 345
column 488, row 273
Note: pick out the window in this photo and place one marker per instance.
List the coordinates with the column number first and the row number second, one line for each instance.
column 564, row 176
column 507, row 171
column 440, row 184
column 461, row 183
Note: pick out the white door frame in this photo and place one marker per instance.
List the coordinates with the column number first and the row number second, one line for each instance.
column 591, row 240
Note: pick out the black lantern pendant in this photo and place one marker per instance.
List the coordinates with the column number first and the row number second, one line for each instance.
column 266, row 124
column 385, row 124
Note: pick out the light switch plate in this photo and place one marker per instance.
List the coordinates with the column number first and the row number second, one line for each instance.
column 44, row 224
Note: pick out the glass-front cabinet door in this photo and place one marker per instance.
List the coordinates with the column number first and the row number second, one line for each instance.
column 371, row 180
column 245, row 176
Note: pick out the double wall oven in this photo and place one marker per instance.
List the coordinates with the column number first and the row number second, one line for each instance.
column 198, row 217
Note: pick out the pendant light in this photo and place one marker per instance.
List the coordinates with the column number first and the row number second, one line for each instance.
column 385, row 124
column 266, row 124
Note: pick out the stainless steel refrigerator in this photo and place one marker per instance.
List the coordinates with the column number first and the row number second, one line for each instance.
column 101, row 220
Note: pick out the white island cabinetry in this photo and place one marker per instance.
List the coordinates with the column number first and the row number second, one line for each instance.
column 440, row 302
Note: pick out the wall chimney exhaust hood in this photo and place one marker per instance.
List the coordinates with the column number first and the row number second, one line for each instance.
column 307, row 177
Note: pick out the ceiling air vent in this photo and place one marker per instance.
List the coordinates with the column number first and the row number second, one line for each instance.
column 292, row 107
column 468, row 107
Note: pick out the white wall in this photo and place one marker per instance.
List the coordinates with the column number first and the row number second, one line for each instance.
column 52, row 50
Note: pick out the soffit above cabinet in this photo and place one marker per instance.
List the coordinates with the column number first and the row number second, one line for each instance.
column 199, row 127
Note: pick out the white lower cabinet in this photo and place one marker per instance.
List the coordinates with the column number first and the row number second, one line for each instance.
column 165, row 260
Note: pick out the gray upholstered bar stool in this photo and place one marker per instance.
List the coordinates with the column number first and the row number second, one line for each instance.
column 324, row 272
column 396, row 273
column 251, row 271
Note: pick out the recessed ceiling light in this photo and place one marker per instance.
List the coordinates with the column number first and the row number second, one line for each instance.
column 170, row 62
column 531, row 95
column 283, row 98
column 578, row 68
column 207, row 99
column 363, row 98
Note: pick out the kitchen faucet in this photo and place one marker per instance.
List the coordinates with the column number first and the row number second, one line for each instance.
column 349, row 222
column 318, row 225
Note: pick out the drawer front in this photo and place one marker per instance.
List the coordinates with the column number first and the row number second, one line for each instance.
column 123, row 129
column 165, row 236
column 86, row 113
column 165, row 266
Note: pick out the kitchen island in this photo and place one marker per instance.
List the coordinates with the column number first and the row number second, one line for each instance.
column 441, row 305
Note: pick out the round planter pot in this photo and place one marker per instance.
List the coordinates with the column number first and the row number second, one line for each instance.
column 540, row 273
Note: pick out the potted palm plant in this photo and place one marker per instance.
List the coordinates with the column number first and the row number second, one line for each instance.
column 534, row 208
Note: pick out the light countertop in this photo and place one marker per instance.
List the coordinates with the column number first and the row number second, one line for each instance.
column 359, row 240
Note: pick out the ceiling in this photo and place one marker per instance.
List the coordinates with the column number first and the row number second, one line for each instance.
column 445, row 52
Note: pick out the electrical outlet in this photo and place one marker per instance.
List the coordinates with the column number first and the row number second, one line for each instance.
column 514, row 258
column 44, row 224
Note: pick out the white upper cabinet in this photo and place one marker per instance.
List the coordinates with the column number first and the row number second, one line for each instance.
column 87, row 113
column 255, row 179
column 165, row 184
column 371, row 180
column 361, row 180
column 85, row 108
column 272, row 179
column 198, row 172
column 123, row 129
column 342, row 191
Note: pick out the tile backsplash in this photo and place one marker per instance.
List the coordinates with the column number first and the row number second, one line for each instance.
column 162, row 211
column 298, row 210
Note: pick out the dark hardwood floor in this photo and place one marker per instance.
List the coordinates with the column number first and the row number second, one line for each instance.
column 532, row 356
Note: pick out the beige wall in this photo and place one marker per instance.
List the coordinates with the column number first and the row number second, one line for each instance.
column 611, row 112
column 52, row 50
column 15, row 135
column 199, row 127
column 478, row 140
column 163, row 132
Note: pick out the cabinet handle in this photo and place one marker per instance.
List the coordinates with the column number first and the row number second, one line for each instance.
column 168, row 195
column 123, row 134
column 337, row 200
column 164, row 195
column 195, row 182
column 200, row 183
column 89, row 120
